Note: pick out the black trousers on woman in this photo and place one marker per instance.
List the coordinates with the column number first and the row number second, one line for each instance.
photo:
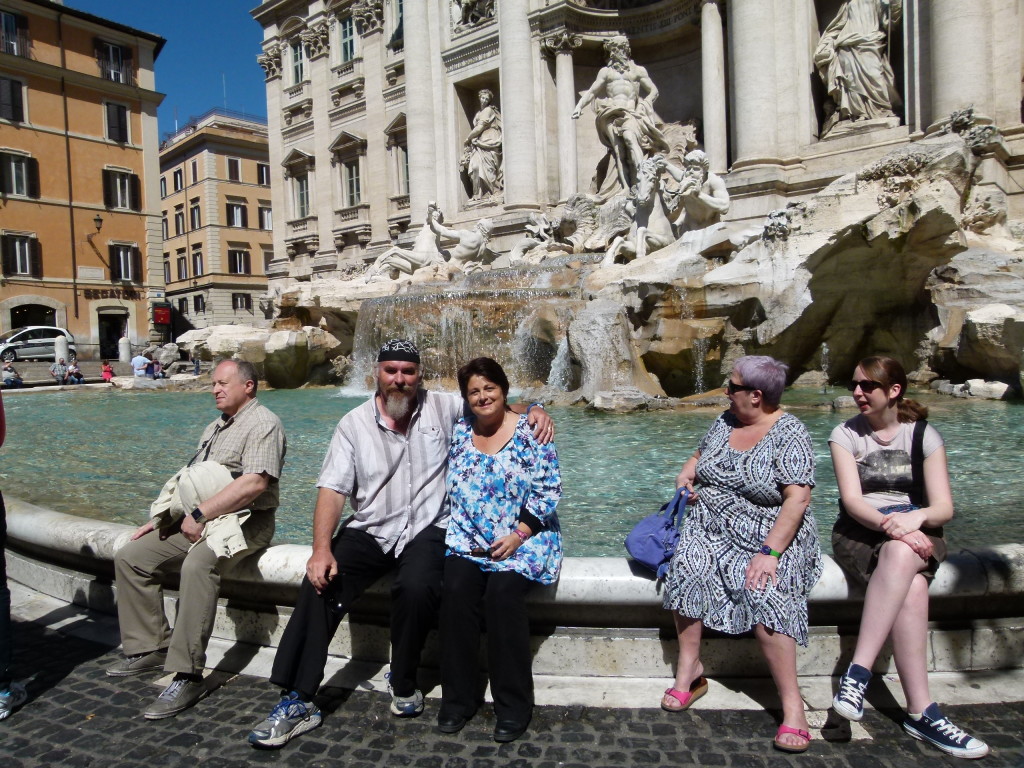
column 415, row 593
column 470, row 598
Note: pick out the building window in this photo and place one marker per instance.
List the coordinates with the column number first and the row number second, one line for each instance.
column 348, row 39
column 115, row 62
column 234, row 169
column 263, row 174
column 125, row 263
column 163, row 226
column 182, row 266
column 195, row 172
column 403, row 170
column 183, row 306
column 199, row 303
column 12, row 105
column 167, row 268
column 266, row 218
column 179, row 220
column 22, row 255
column 241, row 301
column 179, row 180
column 298, row 62
column 350, row 180
column 195, row 217
column 300, row 186
column 238, row 215
column 13, row 34
column 19, row 175
column 197, row 262
column 117, row 122
column 163, row 187
column 239, row 263
column 122, row 190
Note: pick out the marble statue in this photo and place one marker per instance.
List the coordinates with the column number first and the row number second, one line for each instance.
column 470, row 250
column 544, row 238
column 701, row 194
column 395, row 261
column 852, row 60
column 472, row 12
column 652, row 227
column 481, row 157
column 623, row 96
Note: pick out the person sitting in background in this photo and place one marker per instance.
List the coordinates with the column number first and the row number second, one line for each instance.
column 158, row 370
column 106, row 371
column 75, row 375
column 503, row 536
column 59, row 371
column 12, row 379
column 139, row 363
column 894, row 498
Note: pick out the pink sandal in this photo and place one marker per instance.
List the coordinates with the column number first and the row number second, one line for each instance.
column 783, row 729
column 685, row 698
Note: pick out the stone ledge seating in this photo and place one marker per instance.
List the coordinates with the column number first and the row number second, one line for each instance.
column 601, row 619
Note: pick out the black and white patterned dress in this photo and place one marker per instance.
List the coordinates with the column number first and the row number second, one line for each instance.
column 740, row 495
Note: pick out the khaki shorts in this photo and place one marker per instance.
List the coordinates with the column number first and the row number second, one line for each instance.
column 856, row 549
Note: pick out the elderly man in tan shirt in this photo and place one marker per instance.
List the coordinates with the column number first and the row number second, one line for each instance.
column 248, row 440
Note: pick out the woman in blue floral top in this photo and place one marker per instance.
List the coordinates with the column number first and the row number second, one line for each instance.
column 503, row 535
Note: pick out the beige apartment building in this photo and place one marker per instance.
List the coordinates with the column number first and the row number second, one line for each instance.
column 79, row 224
column 217, row 220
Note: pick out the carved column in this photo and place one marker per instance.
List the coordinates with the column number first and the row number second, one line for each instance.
column 561, row 47
column 960, row 37
column 712, row 68
column 517, row 105
column 752, row 55
column 375, row 169
column 419, row 117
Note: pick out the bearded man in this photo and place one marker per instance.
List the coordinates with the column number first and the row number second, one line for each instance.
column 389, row 459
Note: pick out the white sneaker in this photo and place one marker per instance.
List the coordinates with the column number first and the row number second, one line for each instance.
column 11, row 699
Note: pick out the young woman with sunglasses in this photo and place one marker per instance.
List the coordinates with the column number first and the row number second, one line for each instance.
column 889, row 538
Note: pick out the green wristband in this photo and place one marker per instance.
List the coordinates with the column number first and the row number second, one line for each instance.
column 766, row 550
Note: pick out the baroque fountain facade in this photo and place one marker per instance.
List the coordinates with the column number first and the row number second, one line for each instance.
column 624, row 196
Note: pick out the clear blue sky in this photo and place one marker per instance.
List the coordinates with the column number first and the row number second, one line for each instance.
column 210, row 44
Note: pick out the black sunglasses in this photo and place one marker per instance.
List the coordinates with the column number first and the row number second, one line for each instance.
column 866, row 386
column 732, row 388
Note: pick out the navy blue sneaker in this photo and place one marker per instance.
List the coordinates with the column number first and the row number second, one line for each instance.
column 849, row 701
column 936, row 729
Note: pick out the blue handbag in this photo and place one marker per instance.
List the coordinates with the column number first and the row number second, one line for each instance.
column 653, row 540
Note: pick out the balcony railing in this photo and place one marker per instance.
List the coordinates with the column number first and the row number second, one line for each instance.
column 118, row 73
column 16, row 44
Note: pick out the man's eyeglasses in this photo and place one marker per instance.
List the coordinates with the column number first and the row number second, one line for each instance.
column 732, row 388
column 866, row 386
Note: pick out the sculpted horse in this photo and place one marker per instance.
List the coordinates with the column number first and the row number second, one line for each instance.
column 652, row 227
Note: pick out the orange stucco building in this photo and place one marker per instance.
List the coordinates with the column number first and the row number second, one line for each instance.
column 79, row 201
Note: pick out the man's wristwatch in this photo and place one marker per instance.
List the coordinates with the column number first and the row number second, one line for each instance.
column 764, row 550
column 197, row 515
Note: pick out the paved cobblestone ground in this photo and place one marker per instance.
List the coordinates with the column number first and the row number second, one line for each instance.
column 76, row 716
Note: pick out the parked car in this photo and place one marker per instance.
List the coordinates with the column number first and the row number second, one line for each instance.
column 34, row 342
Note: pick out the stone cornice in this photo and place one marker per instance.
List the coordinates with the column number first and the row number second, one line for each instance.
column 472, row 52
column 654, row 21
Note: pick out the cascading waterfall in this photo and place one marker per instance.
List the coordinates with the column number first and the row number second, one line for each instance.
column 560, row 375
column 825, row 364
column 701, row 345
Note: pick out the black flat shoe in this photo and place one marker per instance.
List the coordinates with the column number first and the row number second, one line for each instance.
column 450, row 723
column 509, row 730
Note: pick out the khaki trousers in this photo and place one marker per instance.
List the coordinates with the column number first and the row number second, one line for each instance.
column 138, row 568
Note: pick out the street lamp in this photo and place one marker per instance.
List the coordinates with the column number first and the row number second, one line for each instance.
column 98, row 221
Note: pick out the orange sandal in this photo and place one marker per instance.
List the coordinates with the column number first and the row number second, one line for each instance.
column 782, row 747
column 685, row 698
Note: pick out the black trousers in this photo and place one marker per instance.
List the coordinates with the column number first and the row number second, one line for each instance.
column 6, row 641
column 470, row 596
column 415, row 595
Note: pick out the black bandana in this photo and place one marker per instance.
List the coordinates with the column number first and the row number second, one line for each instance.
column 399, row 349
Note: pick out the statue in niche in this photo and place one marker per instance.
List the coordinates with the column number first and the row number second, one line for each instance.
column 470, row 251
column 623, row 96
column 472, row 12
column 481, row 156
column 852, row 60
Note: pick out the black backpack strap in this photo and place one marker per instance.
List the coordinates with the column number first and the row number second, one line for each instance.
column 918, row 495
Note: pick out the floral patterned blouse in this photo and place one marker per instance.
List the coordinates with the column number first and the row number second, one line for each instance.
column 489, row 495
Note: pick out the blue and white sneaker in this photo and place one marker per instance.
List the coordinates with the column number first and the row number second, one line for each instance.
column 849, row 701
column 11, row 699
column 405, row 706
column 289, row 718
column 936, row 729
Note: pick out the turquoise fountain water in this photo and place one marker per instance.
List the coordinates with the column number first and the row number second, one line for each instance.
column 106, row 454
